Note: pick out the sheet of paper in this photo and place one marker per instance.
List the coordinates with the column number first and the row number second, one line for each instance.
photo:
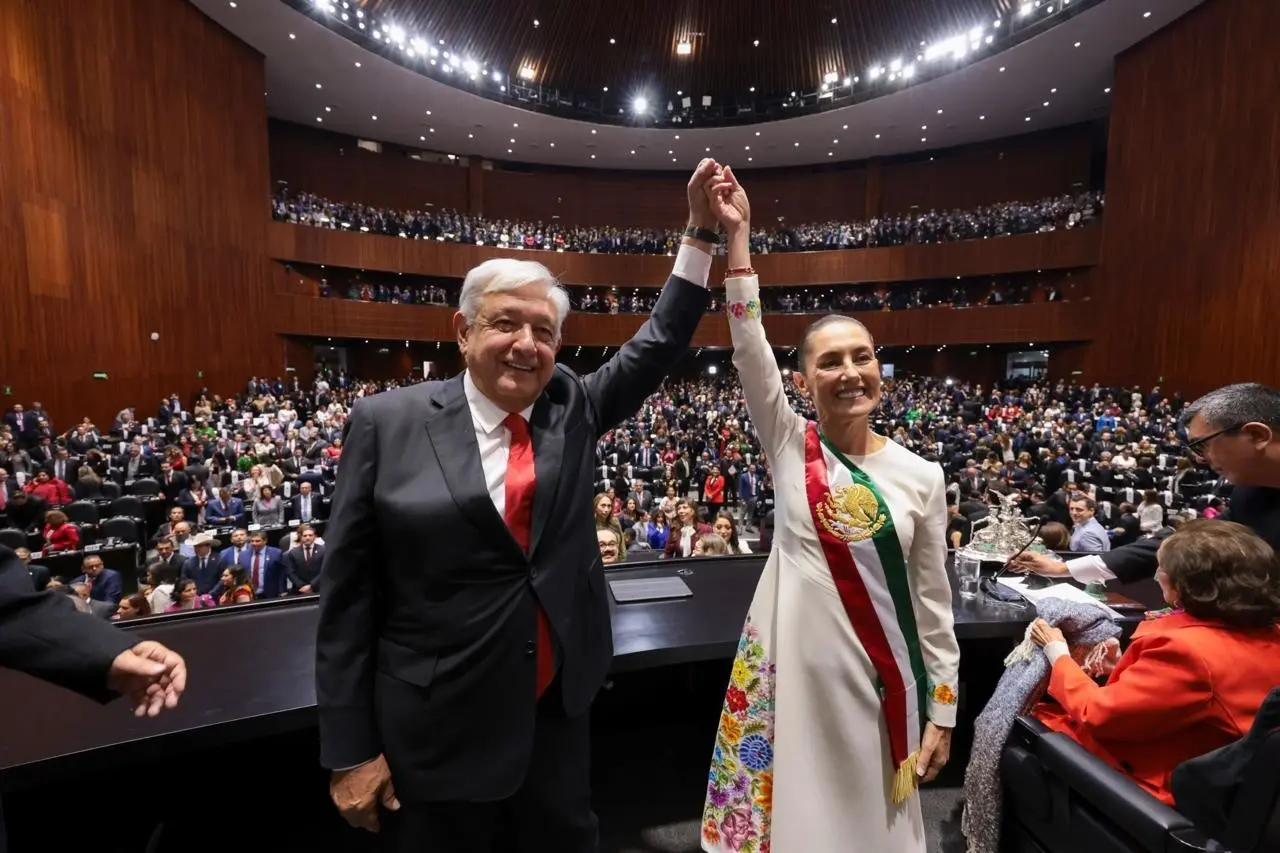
column 1063, row 590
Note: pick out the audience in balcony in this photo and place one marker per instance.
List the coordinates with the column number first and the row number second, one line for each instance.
column 997, row 220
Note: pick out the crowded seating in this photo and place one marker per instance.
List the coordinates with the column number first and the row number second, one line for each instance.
column 997, row 220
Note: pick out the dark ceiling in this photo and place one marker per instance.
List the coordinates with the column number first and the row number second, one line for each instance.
column 570, row 48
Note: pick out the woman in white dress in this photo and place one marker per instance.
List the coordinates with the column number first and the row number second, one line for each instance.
column 843, row 692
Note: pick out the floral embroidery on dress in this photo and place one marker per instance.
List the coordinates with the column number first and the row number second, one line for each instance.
column 740, row 783
column 749, row 310
column 944, row 695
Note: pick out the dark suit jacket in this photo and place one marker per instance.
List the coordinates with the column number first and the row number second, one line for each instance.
column 300, row 572
column 215, row 513
column 432, row 661
column 43, row 635
column 317, row 506
column 108, row 586
column 1256, row 507
column 208, row 580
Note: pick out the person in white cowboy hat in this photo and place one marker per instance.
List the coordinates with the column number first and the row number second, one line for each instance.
column 204, row 568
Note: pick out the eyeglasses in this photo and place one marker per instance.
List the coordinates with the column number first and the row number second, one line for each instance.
column 1192, row 448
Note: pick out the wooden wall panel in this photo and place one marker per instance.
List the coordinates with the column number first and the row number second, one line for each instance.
column 1041, row 322
column 1055, row 250
column 1192, row 230
column 133, row 168
column 1025, row 167
column 331, row 165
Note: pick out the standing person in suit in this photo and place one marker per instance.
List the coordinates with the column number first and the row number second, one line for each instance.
column 224, row 509
column 305, row 505
column 262, row 567
column 466, row 678
column 203, row 568
column 302, row 564
column 1234, row 430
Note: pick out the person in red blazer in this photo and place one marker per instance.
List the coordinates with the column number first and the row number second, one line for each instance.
column 686, row 520
column 1194, row 676
column 51, row 491
column 714, row 491
column 60, row 534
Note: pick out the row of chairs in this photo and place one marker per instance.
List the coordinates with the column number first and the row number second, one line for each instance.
column 121, row 528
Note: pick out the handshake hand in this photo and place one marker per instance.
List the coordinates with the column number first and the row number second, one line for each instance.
column 716, row 197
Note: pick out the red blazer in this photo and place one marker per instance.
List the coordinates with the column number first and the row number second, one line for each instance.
column 673, row 550
column 1182, row 688
column 54, row 492
column 715, row 490
column 65, row 537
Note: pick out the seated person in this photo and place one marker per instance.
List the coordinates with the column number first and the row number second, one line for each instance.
column 186, row 597
column 59, row 533
column 40, row 576
column 235, row 586
column 132, row 606
column 1194, row 676
column 711, row 545
column 104, row 584
column 726, row 526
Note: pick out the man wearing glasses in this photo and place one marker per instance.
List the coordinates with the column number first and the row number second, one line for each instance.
column 1235, row 431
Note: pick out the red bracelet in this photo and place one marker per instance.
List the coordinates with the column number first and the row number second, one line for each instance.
column 738, row 272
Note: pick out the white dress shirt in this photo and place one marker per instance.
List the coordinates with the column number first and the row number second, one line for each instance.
column 494, row 439
column 1090, row 568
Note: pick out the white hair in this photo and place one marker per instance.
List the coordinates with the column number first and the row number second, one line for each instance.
column 498, row 275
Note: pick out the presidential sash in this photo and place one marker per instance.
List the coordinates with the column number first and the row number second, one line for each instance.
column 865, row 558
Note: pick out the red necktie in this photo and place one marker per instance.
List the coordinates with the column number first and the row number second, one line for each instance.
column 519, row 516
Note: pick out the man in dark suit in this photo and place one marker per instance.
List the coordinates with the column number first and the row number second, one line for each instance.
column 224, row 509
column 1235, row 430
column 466, row 677
column 262, row 566
column 134, row 465
column 301, row 565
column 104, row 584
column 306, row 506
column 204, row 568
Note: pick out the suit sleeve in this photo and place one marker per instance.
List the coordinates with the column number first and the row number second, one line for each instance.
column 43, row 635
column 346, row 634
column 621, row 385
column 1164, row 688
column 1133, row 562
column 935, row 622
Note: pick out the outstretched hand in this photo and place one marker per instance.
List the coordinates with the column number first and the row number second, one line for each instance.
column 728, row 200
column 151, row 676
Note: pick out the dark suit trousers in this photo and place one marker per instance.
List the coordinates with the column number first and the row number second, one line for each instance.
column 550, row 812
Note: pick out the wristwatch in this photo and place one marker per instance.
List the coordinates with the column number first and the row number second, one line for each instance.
column 706, row 235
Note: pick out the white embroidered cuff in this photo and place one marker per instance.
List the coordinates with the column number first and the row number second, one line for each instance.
column 943, row 701
column 742, row 298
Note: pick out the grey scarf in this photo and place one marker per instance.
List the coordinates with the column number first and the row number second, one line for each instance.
column 1021, row 686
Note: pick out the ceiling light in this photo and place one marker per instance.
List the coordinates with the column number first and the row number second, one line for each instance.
column 318, row 86
column 757, row 134
column 1106, row 91
column 748, row 159
column 640, row 105
column 357, row 65
column 526, row 73
column 319, row 119
column 553, row 145
column 428, row 112
column 844, row 127
column 669, row 151
column 895, row 65
column 833, row 20
column 593, row 156
column 536, row 22
column 677, row 136
column 982, row 118
column 684, row 49
column 877, row 136
column 1024, row 10
column 422, row 139
column 673, row 159
column 497, row 78
column 835, row 142
column 1001, row 69
column 939, row 112
column 909, row 72
column 746, row 147
column 708, row 150
column 924, row 139
column 606, row 88
column 513, row 139
column 471, row 136
column 875, row 72
column 292, row 36
column 924, row 127
column 1077, row 44
column 233, row 5
column 1028, row 118
column 470, row 66
column 797, row 145
column 848, row 81
column 328, row 109
column 756, row 43
column 633, row 150
column 1053, row 91
column 830, row 77
column 508, row 150
column 1144, row 14
column 593, row 131
column 1046, row 103
column 752, row 89
column 375, row 118
column 431, row 130
column 611, row 41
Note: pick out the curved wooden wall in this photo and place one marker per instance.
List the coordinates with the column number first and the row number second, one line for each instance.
column 1036, row 323
column 133, row 157
column 1192, row 229
column 1055, row 250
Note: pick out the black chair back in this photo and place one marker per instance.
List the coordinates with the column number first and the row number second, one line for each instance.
column 81, row 512
column 123, row 528
column 145, row 487
column 128, row 505
column 12, row 537
column 88, row 533
column 110, row 490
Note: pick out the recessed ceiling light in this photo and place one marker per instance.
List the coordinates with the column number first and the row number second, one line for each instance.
column 431, row 130
column 982, row 118
column 1077, row 44
column 357, row 65
column 292, row 36
column 593, row 156
column 328, row 109
column 613, row 41
column 1001, row 69
column 1144, row 14
column 1106, row 91
column 877, row 136
column 833, row 20
column 508, row 150
column 1028, row 118
column 797, row 145
column 422, row 139
column 756, row 43
column 536, row 22
column 553, row 145
column 830, row 153
column 1046, row 103
column 513, row 139
column 835, row 142
column 233, row 5
column 746, row 148
column 939, row 112
column 633, row 150
column 375, row 118
column 319, row 119
column 844, row 127
column 673, row 159
column 748, row 159
column 513, row 124
column 669, row 151
column 606, row 88
column 708, row 150
column 1053, row 91
column 924, row 127
column 679, row 92
column 757, row 134
column 752, row 89
column 924, row 139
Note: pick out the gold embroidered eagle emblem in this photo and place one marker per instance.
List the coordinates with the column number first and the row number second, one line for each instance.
column 851, row 513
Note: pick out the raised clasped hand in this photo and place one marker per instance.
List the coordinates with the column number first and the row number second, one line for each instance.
column 728, row 200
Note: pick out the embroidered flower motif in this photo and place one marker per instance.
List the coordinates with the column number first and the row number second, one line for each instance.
column 737, row 828
column 740, row 782
column 755, row 752
column 749, row 310
column 944, row 695
column 738, row 310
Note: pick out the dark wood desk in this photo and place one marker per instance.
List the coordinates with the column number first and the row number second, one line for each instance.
column 252, row 669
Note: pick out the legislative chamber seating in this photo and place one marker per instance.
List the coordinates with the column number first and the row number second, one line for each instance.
column 1060, row 798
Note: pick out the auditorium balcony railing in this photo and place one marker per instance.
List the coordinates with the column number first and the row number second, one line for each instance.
column 1037, row 322
column 1062, row 249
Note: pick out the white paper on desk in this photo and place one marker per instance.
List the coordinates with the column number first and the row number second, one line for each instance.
column 1062, row 590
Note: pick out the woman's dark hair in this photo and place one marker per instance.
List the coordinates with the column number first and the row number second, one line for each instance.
column 163, row 573
column 179, row 587
column 733, row 525
column 820, row 324
column 141, row 606
column 238, row 575
column 1223, row 572
column 1055, row 536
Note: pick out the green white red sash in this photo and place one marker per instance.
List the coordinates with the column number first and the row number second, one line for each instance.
column 865, row 557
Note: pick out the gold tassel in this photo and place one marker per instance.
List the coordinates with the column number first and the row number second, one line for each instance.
column 905, row 780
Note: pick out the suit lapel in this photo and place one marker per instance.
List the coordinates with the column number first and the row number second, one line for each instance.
column 453, row 438
column 547, row 427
